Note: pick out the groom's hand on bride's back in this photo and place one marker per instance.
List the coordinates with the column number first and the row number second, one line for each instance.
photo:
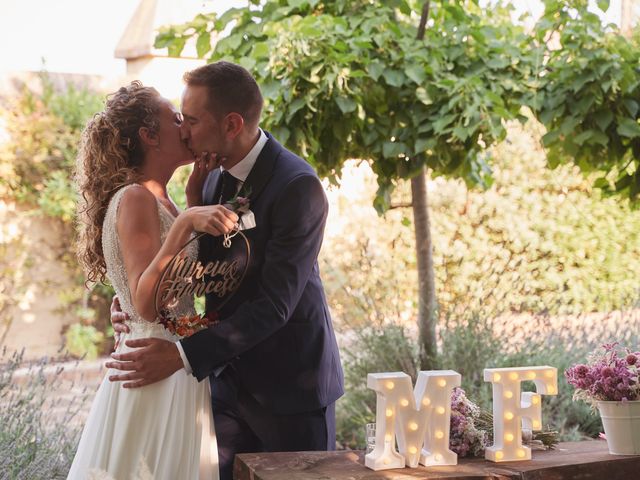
column 153, row 359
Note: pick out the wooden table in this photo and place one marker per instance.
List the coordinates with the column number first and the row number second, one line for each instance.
column 575, row 460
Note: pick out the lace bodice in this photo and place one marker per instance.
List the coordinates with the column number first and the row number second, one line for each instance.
column 117, row 273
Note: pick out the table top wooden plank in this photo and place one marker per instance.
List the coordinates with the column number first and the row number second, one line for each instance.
column 589, row 460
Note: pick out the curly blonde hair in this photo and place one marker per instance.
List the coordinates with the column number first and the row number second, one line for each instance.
column 110, row 156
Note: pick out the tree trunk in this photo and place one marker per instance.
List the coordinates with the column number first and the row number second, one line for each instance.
column 427, row 303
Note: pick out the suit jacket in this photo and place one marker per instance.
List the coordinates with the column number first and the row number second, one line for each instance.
column 276, row 330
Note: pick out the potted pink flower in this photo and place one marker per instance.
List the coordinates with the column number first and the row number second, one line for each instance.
column 609, row 381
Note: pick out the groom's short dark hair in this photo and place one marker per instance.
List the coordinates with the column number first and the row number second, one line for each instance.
column 231, row 88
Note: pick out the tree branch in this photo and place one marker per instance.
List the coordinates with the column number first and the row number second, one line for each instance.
column 401, row 205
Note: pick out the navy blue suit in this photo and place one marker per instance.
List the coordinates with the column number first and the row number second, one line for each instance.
column 283, row 372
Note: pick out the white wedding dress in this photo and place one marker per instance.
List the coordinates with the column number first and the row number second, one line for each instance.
column 160, row 431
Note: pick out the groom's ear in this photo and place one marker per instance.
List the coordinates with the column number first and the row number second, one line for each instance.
column 233, row 124
column 148, row 137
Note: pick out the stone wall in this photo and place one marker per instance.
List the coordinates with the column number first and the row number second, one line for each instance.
column 32, row 281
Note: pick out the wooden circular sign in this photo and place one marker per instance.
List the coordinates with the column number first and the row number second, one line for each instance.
column 218, row 276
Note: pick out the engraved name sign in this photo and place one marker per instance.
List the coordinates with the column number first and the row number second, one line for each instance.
column 216, row 271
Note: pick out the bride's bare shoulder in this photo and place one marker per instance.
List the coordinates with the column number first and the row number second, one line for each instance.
column 137, row 203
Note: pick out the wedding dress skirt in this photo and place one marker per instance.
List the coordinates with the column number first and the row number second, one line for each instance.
column 159, row 431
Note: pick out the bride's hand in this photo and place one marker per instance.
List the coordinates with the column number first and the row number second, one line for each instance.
column 118, row 318
column 212, row 219
column 201, row 168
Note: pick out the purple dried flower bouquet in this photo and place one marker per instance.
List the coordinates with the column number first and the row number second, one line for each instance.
column 471, row 428
column 611, row 374
column 465, row 437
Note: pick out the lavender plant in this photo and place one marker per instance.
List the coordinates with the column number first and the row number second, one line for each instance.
column 39, row 430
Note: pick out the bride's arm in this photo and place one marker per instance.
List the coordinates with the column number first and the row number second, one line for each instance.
column 144, row 255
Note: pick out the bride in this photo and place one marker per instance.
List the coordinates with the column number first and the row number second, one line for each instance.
column 130, row 230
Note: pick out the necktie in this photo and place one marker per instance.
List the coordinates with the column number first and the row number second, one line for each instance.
column 229, row 187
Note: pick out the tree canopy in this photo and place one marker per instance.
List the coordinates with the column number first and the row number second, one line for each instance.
column 588, row 95
column 348, row 79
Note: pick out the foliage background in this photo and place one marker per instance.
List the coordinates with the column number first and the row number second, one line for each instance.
column 37, row 164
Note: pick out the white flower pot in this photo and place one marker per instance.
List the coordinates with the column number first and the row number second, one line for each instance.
column 621, row 421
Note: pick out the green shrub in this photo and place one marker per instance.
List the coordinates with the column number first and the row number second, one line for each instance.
column 83, row 341
column 469, row 343
column 37, row 163
column 379, row 348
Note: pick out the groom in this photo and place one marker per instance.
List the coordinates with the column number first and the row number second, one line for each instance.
column 273, row 359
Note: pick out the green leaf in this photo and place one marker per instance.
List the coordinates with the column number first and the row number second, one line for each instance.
column 176, row 47
column 416, row 73
column 628, row 128
column 247, row 62
column 294, row 106
column 375, row 69
column 164, row 38
column 200, row 22
column 600, row 138
column 631, row 106
column 393, row 149
column 382, row 201
column 547, row 115
column 603, row 119
column 494, row 98
column 311, row 31
column 497, row 62
column 423, row 144
column 271, row 89
column 460, row 132
column 582, row 137
column 227, row 17
column 569, row 124
column 203, row 45
column 550, row 138
column 393, row 77
column 603, row 5
column 229, row 43
column 584, row 104
column 601, row 182
column 260, row 50
column 346, row 104
column 440, row 124
column 581, row 80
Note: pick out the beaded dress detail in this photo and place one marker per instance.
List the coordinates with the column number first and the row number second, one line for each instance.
column 117, row 273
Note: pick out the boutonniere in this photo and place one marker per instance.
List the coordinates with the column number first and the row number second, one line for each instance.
column 241, row 203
